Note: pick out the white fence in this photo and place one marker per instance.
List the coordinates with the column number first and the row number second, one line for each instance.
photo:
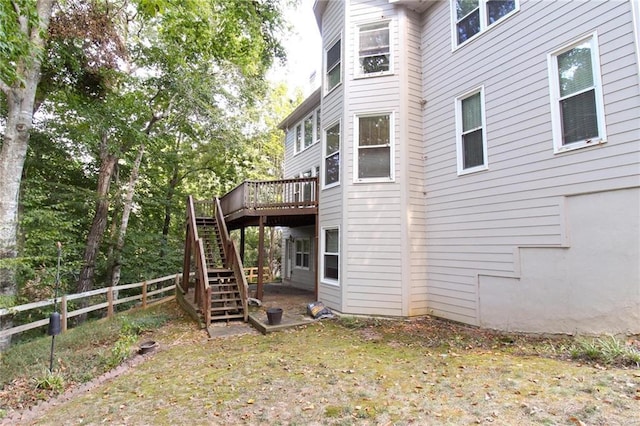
column 145, row 297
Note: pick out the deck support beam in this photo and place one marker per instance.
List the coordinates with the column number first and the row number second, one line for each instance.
column 242, row 243
column 260, row 289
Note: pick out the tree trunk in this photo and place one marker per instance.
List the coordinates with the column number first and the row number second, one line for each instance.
column 126, row 213
column 113, row 230
column 20, row 98
column 108, row 163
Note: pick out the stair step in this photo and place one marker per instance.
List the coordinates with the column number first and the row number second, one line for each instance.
column 233, row 294
column 226, row 317
column 226, row 308
column 231, row 298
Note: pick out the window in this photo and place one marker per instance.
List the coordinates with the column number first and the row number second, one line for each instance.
column 332, row 64
column 576, row 95
column 303, row 247
column 317, row 126
column 373, row 160
column 471, row 135
column 374, row 53
column 299, row 138
column 307, row 132
column 332, row 155
column 471, row 17
column 330, row 255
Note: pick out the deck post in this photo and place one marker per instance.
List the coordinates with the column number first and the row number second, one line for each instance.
column 242, row 242
column 186, row 263
column 316, row 241
column 259, row 291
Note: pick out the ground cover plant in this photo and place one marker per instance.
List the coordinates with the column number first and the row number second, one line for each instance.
column 80, row 354
column 355, row 371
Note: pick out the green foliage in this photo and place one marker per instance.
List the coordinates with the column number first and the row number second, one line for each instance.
column 7, row 301
column 606, row 350
column 130, row 329
column 51, row 381
column 186, row 79
column 14, row 44
column 85, row 351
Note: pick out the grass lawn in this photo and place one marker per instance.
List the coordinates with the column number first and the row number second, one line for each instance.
column 354, row 371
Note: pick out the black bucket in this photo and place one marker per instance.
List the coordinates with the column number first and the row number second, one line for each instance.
column 274, row 316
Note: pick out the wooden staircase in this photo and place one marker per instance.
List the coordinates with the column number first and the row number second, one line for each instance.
column 221, row 288
column 226, row 300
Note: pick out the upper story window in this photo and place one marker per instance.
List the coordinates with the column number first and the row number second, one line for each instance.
column 333, row 72
column 471, row 17
column 332, row 155
column 374, row 49
column 374, row 138
column 576, row 95
column 307, row 132
column 471, row 137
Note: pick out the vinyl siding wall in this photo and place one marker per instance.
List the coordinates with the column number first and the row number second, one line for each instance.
column 373, row 240
column 416, row 229
column 330, row 212
column 478, row 222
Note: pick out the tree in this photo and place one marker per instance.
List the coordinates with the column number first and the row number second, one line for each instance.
column 24, row 25
column 179, row 65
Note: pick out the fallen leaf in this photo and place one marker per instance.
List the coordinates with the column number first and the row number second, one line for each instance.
column 576, row 421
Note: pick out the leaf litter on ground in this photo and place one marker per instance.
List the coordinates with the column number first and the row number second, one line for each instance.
column 359, row 371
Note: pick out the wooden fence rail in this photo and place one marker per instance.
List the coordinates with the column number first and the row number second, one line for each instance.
column 145, row 297
column 252, row 274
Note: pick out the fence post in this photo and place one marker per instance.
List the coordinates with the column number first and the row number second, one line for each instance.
column 63, row 312
column 144, row 294
column 110, row 302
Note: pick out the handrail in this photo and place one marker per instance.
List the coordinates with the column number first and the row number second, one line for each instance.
column 202, row 296
column 233, row 259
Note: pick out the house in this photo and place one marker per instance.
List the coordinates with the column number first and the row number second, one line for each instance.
column 477, row 160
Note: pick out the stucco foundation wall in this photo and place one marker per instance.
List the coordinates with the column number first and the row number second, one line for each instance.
column 592, row 286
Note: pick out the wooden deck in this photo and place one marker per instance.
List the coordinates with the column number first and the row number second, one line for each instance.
column 285, row 202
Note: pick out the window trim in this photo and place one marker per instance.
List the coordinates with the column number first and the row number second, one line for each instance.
column 301, row 147
column 331, row 44
column 459, row 133
column 325, row 156
column 356, row 147
column 323, row 245
column 554, row 88
column 484, row 27
column 357, row 69
column 295, row 253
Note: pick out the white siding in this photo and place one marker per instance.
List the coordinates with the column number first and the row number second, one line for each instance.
column 330, row 213
column 476, row 222
column 415, row 217
column 373, row 232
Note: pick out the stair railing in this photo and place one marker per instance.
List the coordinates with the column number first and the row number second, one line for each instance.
column 232, row 259
column 202, row 295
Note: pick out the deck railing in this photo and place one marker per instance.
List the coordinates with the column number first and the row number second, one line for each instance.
column 275, row 194
column 202, row 294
